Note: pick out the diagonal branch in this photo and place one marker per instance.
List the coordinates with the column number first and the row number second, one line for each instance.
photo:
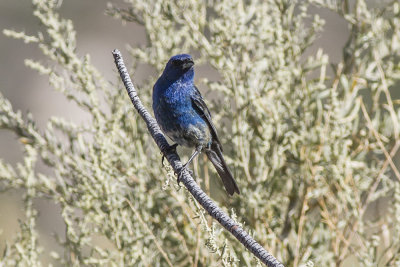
column 186, row 178
column 150, row 233
column 378, row 139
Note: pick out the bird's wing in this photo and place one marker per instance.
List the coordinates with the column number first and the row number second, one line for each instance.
column 201, row 108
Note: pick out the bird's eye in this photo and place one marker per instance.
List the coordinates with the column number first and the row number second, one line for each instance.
column 175, row 62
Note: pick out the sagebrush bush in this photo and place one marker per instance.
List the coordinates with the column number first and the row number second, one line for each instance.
column 311, row 151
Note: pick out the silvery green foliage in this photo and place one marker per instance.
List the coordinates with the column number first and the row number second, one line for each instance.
column 310, row 151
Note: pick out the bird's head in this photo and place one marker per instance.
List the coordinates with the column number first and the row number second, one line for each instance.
column 179, row 66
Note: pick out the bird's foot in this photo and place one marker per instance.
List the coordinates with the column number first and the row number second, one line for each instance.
column 169, row 149
column 180, row 173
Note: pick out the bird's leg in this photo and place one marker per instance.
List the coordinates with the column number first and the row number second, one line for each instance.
column 195, row 153
column 170, row 149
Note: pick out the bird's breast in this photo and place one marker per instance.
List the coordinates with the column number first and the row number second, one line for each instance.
column 180, row 122
column 177, row 118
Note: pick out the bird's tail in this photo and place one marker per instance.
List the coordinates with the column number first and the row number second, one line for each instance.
column 214, row 154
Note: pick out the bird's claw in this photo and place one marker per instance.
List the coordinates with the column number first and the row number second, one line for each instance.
column 169, row 149
column 179, row 176
column 180, row 173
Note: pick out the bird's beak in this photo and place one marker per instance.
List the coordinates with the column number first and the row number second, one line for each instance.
column 188, row 64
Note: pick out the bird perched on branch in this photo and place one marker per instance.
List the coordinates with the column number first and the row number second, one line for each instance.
column 183, row 116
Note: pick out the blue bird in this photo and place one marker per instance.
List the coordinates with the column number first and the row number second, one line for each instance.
column 183, row 116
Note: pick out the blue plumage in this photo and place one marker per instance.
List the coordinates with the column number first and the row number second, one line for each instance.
column 182, row 114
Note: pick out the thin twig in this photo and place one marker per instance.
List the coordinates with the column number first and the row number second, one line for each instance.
column 378, row 179
column 180, row 236
column 149, row 232
column 186, row 178
column 197, row 254
column 300, row 228
column 378, row 139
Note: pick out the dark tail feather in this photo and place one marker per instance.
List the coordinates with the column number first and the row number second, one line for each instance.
column 215, row 156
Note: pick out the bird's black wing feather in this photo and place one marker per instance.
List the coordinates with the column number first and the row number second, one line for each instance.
column 201, row 108
column 214, row 152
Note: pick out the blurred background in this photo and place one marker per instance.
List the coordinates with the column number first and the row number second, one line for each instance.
column 97, row 35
